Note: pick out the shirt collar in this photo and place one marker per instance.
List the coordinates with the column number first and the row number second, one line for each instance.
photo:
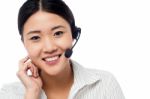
column 82, row 77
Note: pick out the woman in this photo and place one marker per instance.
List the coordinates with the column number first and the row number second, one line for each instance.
column 47, row 29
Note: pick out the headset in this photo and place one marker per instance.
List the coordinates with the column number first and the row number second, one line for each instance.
column 76, row 35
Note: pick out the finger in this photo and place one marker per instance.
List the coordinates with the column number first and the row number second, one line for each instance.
column 23, row 68
column 34, row 70
column 37, row 72
column 22, row 61
column 30, row 71
column 23, row 73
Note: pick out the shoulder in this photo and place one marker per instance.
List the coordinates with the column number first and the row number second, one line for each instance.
column 104, row 76
column 96, row 74
column 15, row 88
column 111, row 87
column 99, row 80
column 108, row 83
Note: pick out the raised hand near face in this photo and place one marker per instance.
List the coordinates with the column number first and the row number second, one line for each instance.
column 33, row 82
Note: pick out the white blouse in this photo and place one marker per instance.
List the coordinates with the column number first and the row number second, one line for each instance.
column 88, row 84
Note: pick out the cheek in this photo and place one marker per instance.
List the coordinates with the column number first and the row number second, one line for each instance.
column 65, row 43
column 33, row 51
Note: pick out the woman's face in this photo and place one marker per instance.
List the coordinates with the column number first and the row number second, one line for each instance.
column 46, row 37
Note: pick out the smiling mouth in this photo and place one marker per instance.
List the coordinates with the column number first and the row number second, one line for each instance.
column 51, row 59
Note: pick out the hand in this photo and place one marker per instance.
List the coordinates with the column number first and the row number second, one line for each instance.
column 33, row 82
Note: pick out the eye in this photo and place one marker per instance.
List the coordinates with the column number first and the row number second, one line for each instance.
column 35, row 38
column 58, row 33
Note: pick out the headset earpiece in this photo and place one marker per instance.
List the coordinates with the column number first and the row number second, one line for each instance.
column 76, row 32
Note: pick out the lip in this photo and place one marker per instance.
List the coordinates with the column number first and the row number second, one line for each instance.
column 50, row 56
column 54, row 62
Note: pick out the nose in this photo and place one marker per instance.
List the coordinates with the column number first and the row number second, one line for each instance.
column 49, row 46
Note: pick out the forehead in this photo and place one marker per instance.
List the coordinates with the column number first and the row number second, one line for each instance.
column 44, row 20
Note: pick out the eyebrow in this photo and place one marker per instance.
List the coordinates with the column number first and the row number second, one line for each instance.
column 38, row 31
column 33, row 31
column 56, row 27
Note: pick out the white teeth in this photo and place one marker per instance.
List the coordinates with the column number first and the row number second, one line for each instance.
column 51, row 59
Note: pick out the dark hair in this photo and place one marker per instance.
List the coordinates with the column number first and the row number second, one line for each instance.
column 53, row 6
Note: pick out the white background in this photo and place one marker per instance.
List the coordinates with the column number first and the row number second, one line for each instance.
column 115, row 37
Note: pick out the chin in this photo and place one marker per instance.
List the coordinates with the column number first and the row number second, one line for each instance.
column 54, row 70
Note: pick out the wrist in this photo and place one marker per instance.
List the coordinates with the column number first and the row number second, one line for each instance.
column 32, row 94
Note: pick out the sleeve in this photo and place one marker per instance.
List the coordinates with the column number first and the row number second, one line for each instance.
column 113, row 89
column 6, row 92
column 15, row 91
